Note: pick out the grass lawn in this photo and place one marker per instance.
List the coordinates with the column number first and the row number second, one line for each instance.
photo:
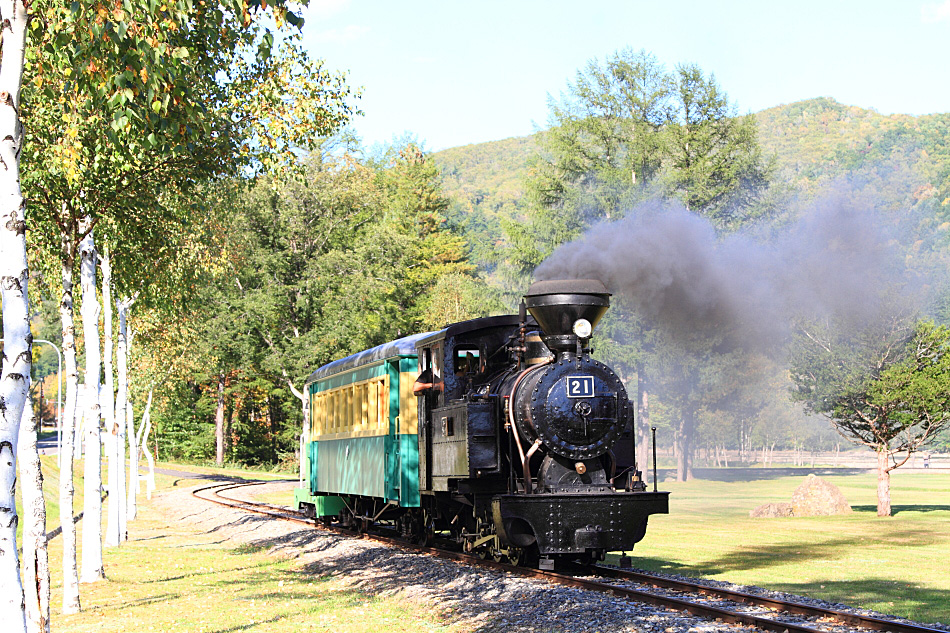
column 895, row 565
column 169, row 578
column 227, row 471
column 166, row 578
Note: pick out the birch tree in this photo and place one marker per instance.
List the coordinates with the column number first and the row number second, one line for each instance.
column 71, row 603
column 124, row 419
column 124, row 406
column 146, row 425
column 36, row 573
column 14, row 276
column 114, row 425
column 92, row 565
column 219, row 423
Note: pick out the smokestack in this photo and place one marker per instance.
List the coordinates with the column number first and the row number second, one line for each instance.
column 567, row 309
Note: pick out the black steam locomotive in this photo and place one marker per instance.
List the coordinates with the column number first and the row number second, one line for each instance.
column 522, row 447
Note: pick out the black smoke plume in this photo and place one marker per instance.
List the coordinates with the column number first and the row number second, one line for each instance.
column 675, row 271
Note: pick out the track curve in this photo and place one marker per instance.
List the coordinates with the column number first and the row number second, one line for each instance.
column 698, row 599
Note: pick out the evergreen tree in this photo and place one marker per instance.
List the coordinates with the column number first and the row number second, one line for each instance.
column 714, row 162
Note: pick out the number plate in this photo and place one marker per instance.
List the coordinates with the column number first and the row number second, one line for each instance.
column 580, row 387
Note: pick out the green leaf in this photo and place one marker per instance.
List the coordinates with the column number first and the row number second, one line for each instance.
column 294, row 19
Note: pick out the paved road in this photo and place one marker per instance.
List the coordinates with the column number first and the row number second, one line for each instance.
column 47, row 445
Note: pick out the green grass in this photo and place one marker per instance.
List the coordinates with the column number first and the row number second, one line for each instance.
column 896, row 565
column 168, row 578
column 229, row 470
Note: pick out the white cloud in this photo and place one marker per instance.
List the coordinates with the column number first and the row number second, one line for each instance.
column 323, row 9
column 347, row 34
column 936, row 12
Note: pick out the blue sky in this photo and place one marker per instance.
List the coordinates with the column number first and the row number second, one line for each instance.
column 454, row 73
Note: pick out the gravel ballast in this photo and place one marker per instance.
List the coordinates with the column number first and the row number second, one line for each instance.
column 467, row 597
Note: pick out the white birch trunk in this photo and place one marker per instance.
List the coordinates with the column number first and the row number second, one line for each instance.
column 116, row 462
column 121, row 403
column 77, row 419
column 92, row 566
column 134, row 486
column 14, row 275
column 132, row 503
column 70, row 439
column 35, row 555
column 147, row 422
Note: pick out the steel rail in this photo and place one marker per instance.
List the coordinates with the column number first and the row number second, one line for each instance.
column 698, row 609
column 864, row 621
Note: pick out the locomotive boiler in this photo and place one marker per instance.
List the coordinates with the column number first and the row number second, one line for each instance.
column 501, row 434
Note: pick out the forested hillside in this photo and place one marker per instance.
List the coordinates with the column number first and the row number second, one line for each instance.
column 485, row 183
column 905, row 158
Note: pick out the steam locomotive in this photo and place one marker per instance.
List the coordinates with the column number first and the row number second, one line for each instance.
column 501, row 434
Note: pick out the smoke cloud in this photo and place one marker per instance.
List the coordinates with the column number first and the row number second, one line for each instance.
column 675, row 271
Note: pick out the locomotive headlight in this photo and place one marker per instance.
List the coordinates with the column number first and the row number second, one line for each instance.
column 583, row 328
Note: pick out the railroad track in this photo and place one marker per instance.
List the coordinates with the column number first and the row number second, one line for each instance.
column 716, row 603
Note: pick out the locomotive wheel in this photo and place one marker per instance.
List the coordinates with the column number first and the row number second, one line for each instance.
column 530, row 556
column 426, row 534
column 424, row 539
column 515, row 556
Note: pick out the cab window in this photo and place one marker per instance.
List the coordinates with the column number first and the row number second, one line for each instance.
column 466, row 360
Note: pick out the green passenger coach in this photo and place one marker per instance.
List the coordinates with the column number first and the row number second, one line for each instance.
column 361, row 448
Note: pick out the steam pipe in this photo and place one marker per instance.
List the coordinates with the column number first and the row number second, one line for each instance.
column 513, row 429
column 527, row 464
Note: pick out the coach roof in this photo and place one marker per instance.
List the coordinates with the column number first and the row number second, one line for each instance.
column 401, row 347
